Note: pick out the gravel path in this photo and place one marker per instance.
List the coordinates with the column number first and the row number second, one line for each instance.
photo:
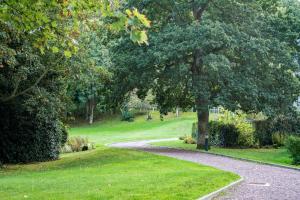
column 260, row 181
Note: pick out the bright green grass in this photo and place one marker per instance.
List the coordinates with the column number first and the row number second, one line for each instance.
column 108, row 173
column 114, row 130
column 275, row 156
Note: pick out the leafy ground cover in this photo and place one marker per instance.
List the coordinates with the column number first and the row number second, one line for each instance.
column 108, row 173
column 275, row 156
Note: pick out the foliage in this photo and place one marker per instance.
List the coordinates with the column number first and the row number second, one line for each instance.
column 197, row 55
column 76, row 144
column 243, row 126
column 89, row 76
column 54, row 25
column 281, row 124
column 278, row 139
column 263, row 132
column 293, row 145
column 126, row 115
column 30, row 131
column 189, row 140
column 31, row 95
column 220, row 134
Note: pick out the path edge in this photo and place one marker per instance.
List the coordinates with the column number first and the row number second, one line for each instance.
column 217, row 192
column 242, row 159
column 253, row 161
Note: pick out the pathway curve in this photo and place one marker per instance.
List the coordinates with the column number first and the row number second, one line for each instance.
column 261, row 182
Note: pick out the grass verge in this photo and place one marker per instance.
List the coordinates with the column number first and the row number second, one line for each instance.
column 272, row 156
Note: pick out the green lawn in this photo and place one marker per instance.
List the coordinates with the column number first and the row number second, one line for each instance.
column 275, row 156
column 109, row 173
column 114, row 130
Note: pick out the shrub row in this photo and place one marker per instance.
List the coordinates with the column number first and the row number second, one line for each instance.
column 228, row 135
column 275, row 130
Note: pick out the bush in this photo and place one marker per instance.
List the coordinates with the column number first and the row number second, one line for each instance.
column 265, row 129
column 292, row 144
column 232, row 130
column 126, row 115
column 228, row 135
column 76, row 144
column 220, row 134
column 278, row 139
column 263, row 132
column 30, row 134
column 189, row 140
column 245, row 135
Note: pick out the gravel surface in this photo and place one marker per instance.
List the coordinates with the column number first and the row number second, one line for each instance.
column 260, row 181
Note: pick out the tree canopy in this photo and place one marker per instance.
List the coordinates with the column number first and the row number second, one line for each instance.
column 202, row 53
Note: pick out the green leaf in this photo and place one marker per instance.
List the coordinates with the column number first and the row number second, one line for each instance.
column 68, row 53
column 55, row 49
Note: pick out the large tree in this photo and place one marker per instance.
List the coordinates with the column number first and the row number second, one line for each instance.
column 235, row 53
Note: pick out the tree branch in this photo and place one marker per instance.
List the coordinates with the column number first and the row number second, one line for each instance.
column 14, row 95
column 198, row 11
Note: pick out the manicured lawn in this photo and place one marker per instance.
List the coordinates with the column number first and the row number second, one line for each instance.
column 114, row 130
column 276, row 156
column 108, row 173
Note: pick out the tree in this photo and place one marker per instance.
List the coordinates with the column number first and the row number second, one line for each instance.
column 37, row 39
column 89, row 75
column 223, row 51
column 54, row 26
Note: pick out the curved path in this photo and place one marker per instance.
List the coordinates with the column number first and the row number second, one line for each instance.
column 261, row 182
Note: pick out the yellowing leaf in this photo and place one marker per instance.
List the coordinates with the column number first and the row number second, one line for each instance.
column 55, row 49
column 68, row 54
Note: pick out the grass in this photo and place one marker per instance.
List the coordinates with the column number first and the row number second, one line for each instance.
column 114, row 130
column 273, row 156
column 109, row 173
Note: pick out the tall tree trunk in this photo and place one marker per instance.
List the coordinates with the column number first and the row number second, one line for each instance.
column 91, row 111
column 91, row 117
column 203, row 118
column 198, row 81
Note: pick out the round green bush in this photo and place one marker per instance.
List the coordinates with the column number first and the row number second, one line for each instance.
column 29, row 134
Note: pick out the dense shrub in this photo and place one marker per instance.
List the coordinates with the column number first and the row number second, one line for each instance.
column 265, row 129
column 29, row 134
column 278, row 139
column 220, row 134
column 126, row 115
column 263, row 132
column 292, row 144
column 245, row 134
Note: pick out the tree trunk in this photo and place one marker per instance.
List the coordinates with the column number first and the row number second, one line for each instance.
column 177, row 112
column 87, row 110
column 203, row 118
column 91, row 110
column 91, row 117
